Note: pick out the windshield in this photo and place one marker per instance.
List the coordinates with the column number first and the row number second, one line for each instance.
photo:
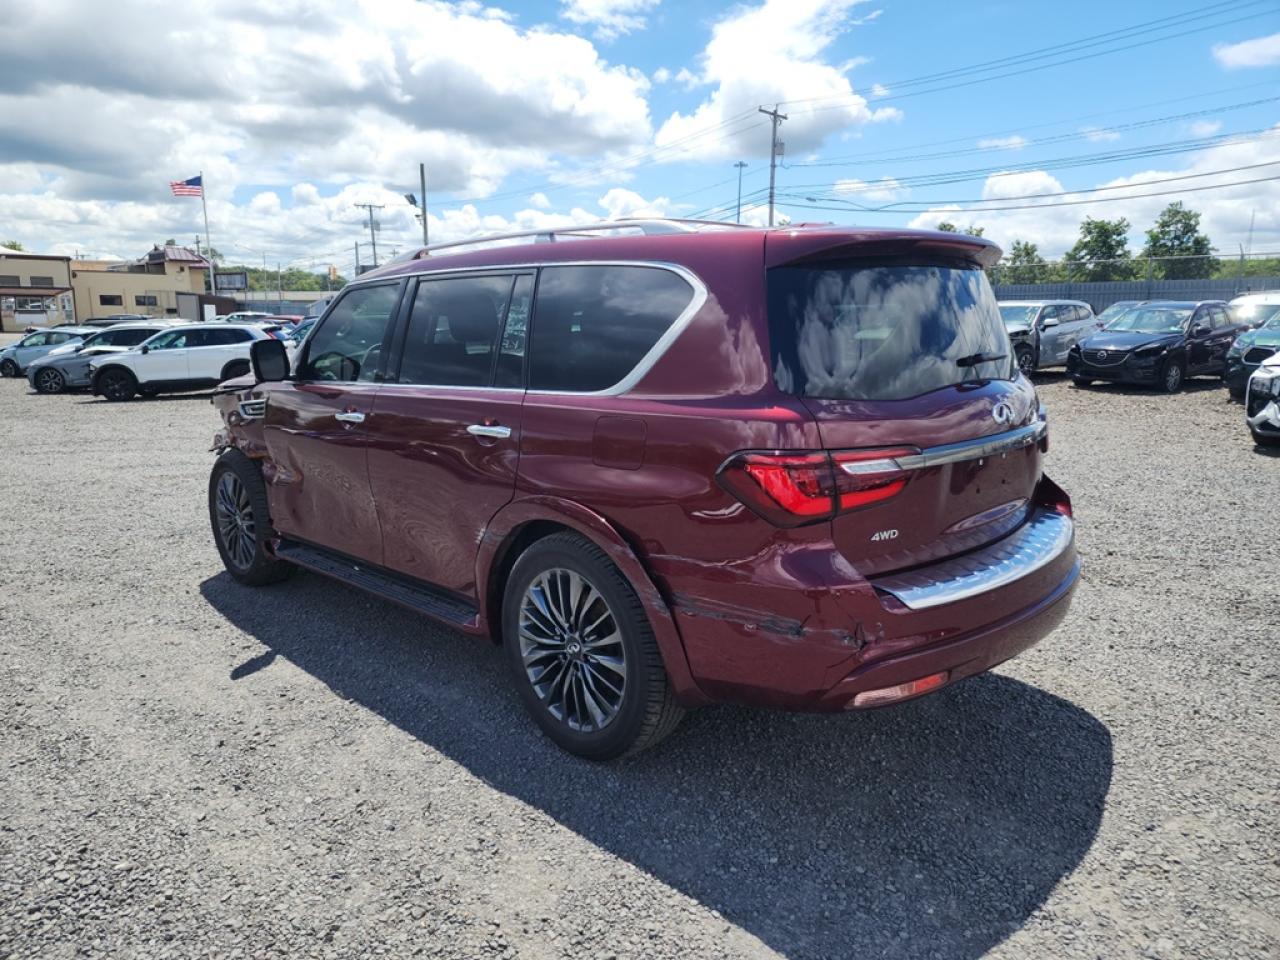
column 1113, row 311
column 1153, row 319
column 1266, row 315
column 883, row 332
column 1018, row 314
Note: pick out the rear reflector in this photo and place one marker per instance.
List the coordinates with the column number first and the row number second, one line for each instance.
column 901, row 691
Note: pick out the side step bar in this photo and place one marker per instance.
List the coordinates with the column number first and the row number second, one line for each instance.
column 416, row 596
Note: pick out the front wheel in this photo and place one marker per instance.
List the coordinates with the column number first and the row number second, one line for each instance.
column 1026, row 361
column 1263, row 440
column 8, row 368
column 117, row 385
column 49, row 380
column 583, row 653
column 1171, row 376
column 241, row 522
column 1082, row 381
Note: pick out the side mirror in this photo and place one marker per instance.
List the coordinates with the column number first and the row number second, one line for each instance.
column 270, row 360
column 1200, row 330
column 1051, row 322
column 145, row 348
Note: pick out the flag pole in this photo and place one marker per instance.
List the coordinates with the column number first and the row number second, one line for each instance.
column 213, row 270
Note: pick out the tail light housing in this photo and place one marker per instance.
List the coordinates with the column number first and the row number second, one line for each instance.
column 790, row 489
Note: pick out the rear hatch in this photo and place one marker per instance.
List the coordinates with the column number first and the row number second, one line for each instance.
column 905, row 364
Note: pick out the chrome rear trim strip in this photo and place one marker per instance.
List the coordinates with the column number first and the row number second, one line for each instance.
column 1040, row 541
column 991, row 446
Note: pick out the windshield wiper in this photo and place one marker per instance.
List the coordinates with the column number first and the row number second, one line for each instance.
column 976, row 358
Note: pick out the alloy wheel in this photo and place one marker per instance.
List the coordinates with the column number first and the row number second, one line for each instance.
column 1026, row 363
column 49, row 381
column 116, row 386
column 572, row 650
column 8, row 369
column 235, row 520
column 1172, row 377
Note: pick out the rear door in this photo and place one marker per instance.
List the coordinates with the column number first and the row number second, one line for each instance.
column 316, row 429
column 906, row 362
column 445, row 430
column 1224, row 333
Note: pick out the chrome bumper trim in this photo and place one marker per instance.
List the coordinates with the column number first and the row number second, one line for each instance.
column 1040, row 541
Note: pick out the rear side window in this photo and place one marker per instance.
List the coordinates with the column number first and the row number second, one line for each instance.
column 883, row 331
column 453, row 331
column 346, row 346
column 592, row 325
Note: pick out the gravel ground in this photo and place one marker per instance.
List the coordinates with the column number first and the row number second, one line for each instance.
column 193, row 768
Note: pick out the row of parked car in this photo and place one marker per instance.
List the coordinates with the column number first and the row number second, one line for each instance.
column 121, row 357
column 1159, row 343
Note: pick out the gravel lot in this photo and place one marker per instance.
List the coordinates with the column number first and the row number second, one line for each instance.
column 194, row 768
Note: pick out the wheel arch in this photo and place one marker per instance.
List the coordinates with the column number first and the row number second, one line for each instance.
column 522, row 523
column 97, row 374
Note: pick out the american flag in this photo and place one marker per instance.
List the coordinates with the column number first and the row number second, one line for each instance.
column 187, row 188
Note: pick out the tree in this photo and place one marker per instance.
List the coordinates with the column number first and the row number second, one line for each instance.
column 1102, row 252
column 946, row 226
column 1023, row 264
column 13, row 245
column 1177, row 234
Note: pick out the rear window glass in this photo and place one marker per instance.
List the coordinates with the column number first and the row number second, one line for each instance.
column 592, row 325
column 883, row 332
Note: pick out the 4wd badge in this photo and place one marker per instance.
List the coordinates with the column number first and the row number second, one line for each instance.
column 885, row 535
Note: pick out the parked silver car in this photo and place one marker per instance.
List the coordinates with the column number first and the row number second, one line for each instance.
column 1043, row 332
column 67, row 367
column 15, row 358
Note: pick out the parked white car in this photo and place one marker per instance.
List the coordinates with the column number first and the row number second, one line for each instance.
column 187, row 357
column 1255, row 309
column 1262, row 403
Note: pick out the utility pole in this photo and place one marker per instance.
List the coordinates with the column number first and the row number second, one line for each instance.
column 740, row 165
column 279, row 287
column 775, row 151
column 357, row 245
column 373, row 240
column 422, row 177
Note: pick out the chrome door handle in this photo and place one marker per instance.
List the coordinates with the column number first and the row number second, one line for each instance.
column 489, row 430
column 349, row 416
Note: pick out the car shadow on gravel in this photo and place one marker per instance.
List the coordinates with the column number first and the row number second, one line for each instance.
column 931, row 829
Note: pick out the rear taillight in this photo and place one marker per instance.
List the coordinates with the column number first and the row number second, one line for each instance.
column 791, row 489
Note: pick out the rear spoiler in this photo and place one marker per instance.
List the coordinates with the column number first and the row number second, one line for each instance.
column 790, row 247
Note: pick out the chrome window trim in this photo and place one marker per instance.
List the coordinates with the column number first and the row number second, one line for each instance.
column 638, row 372
column 1040, row 541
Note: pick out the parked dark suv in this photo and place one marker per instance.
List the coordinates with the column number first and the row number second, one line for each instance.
column 795, row 468
column 1157, row 343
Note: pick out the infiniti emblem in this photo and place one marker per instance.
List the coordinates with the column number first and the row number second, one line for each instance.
column 1002, row 413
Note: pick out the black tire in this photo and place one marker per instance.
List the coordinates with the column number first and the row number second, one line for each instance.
column 8, row 368
column 1237, row 393
column 49, row 380
column 1082, row 381
column 1026, row 360
column 1172, row 375
column 236, row 368
column 243, row 546
column 645, row 710
column 1263, row 440
column 117, row 384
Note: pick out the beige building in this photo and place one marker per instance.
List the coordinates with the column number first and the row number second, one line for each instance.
column 35, row 291
column 149, row 286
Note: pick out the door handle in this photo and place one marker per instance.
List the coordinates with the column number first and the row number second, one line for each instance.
column 349, row 416
column 493, row 431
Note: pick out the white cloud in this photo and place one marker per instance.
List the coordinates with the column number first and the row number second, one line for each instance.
column 1099, row 135
column 687, row 78
column 1205, row 128
column 620, row 202
column 883, row 190
column 540, row 201
column 1258, row 52
column 879, row 90
column 766, row 54
column 1015, row 142
column 661, row 75
column 1225, row 212
column 610, row 18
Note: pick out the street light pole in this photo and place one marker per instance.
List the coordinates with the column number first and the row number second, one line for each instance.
column 740, row 165
column 422, row 178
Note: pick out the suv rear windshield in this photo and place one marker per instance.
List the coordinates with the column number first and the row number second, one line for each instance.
column 876, row 331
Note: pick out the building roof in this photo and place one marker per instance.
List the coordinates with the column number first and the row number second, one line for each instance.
column 32, row 291
column 173, row 252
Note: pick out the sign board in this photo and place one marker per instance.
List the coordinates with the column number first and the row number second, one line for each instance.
column 233, row 281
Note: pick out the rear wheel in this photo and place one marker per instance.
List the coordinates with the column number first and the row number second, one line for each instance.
column 585, row 659
column 8, row 368
column 117, row 384
column 241, row 522
column 49, row 380
column 1171, row 375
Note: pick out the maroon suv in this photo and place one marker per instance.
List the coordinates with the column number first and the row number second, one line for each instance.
column 687, row 464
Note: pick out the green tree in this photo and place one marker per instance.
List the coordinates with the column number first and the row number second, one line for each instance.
column 13, row 245
column 1023, row 264
column 1102, row 252
column 1177, row 234
column 946, row 226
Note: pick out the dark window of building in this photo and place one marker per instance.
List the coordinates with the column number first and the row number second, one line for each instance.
column 42, row 281
column 453, row 330
column 593, row 324
column 9, row 280
column 144, row 300
column 110, row 300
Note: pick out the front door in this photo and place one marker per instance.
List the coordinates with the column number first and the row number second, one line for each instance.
column 165, row 359
column 1050, row 323
column 316, row 427
column 445, row 430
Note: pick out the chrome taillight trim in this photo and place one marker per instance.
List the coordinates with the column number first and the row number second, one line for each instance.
column 1036, row 544
column 991, row 446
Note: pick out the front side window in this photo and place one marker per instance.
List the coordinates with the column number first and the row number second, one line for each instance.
column 453, row 331
column 346, row 347
column 123, row 338
column 35, row 340
column 593, row 325
column 170, row 340
column 884, row 331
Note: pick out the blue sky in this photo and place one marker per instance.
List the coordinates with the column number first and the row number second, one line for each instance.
column 561, row 110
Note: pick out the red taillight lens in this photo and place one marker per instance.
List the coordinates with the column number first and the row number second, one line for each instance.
column 791, row 489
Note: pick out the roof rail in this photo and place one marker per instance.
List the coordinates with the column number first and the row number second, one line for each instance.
column 648, row 226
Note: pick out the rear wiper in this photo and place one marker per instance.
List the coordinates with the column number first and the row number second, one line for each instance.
column 976, row 358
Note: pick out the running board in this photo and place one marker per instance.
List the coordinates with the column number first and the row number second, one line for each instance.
column 416, row 596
